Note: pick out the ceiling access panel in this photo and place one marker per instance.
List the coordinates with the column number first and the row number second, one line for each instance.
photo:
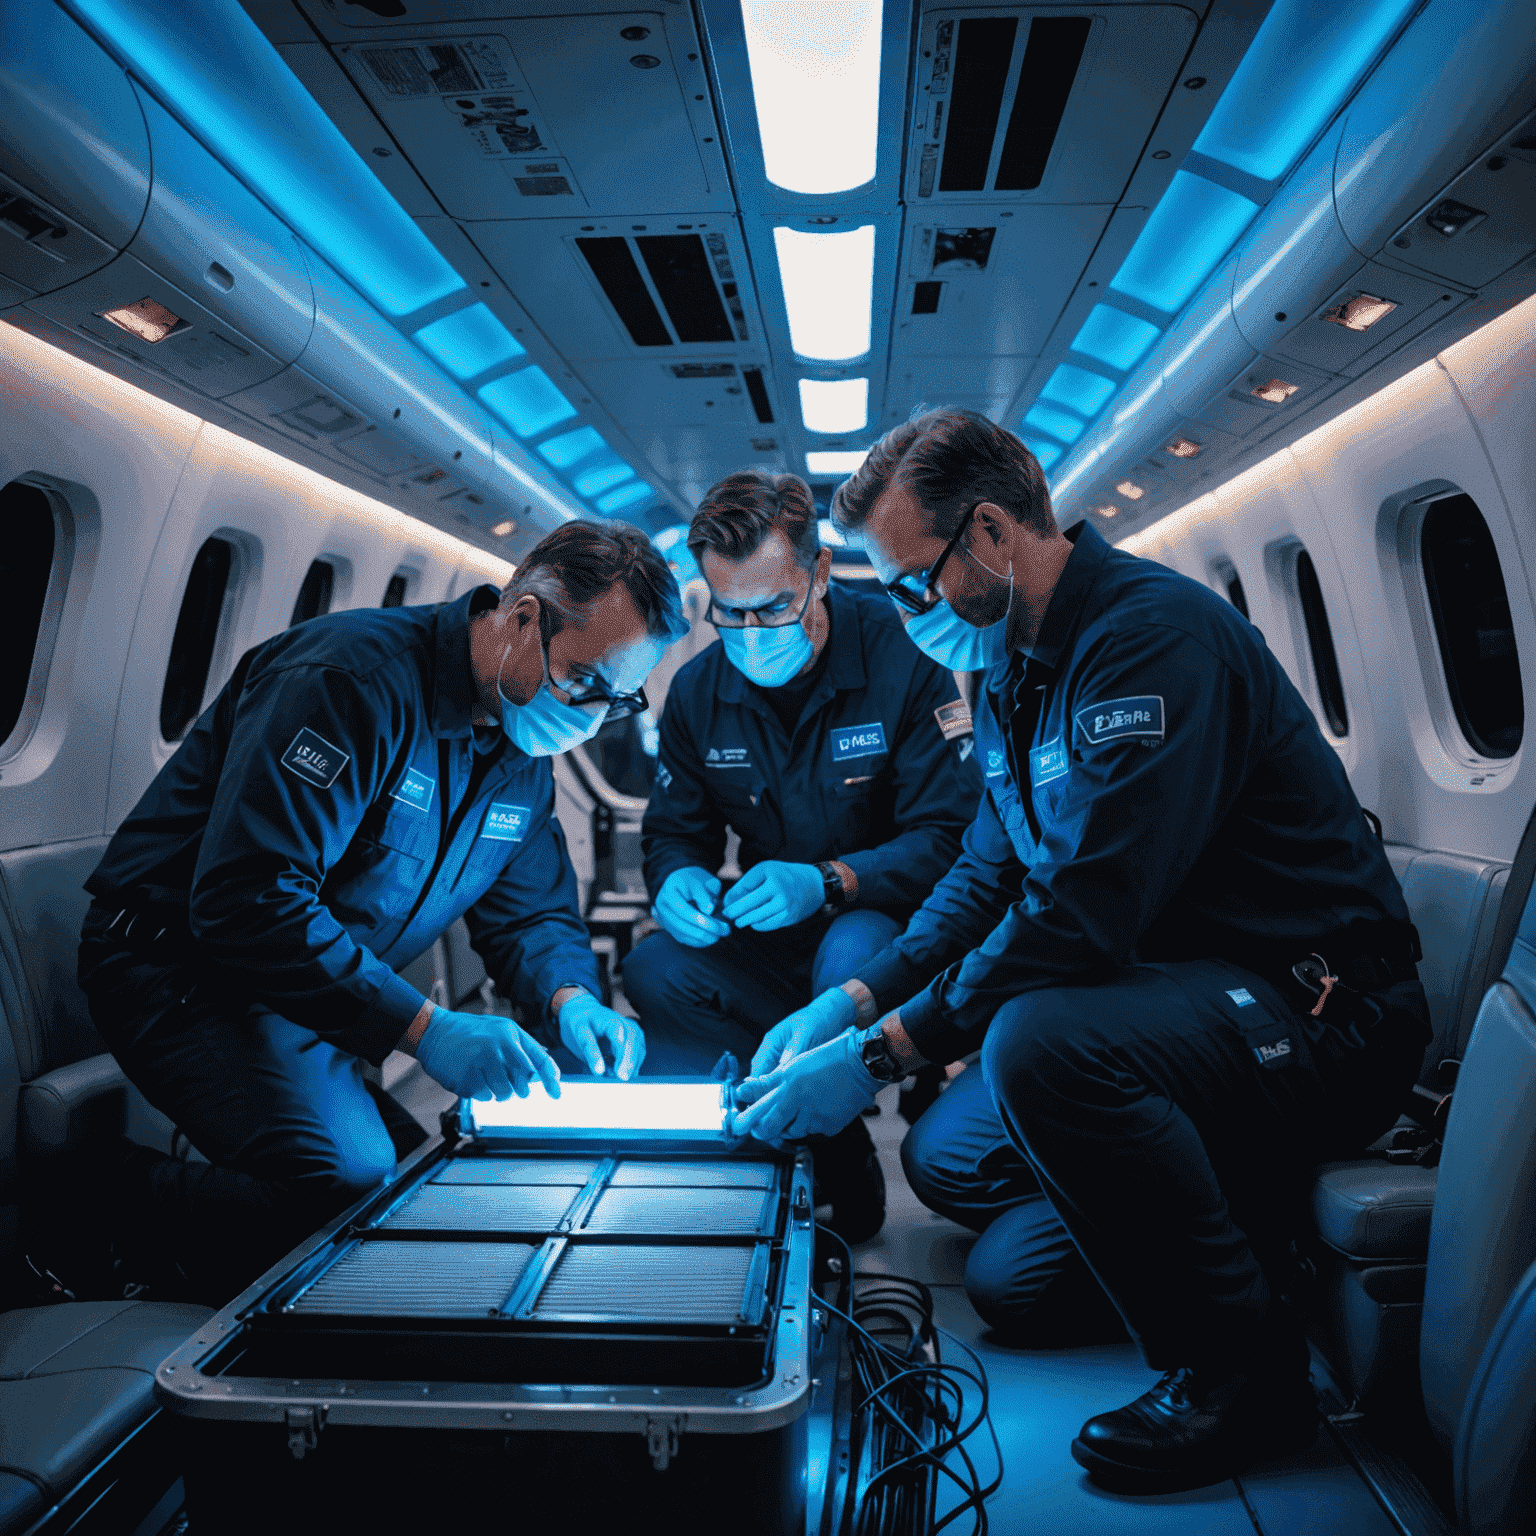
column 74, row 150
column 541, row 117
column 693, row 458
column 988, row 280
column 678, row 393
column 984, row 383
column 343, row 20
column 636, row 287
column 1049, row 105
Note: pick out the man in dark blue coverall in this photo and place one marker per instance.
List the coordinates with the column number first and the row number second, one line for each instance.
column 842, row 759
column 1165, row 834
column 361, row 781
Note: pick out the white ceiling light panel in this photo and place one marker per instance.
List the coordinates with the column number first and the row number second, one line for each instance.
column 828, row 282
column 834, row 405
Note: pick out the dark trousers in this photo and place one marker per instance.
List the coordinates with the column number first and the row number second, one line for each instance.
column 695, row 1003
column 1149, row 1130
column 292, row 1131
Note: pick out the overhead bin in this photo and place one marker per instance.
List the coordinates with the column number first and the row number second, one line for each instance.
column 74, row 151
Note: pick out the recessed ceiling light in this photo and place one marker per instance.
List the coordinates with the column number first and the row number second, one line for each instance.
column 504, row 527
column 1276, row 391
column 834, row 405
column 1451, row 217
column 828, row 283
column 148, row 320
column 1109, row 509
column 1130, row 490
column 1183, row 448
column 816, row 82
column 1360, row 313
column 835, row 462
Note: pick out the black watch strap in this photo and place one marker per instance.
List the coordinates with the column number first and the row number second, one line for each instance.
column 832, row 890
column 875, row 1053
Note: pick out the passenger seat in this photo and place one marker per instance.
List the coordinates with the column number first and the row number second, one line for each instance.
column 78, row 1419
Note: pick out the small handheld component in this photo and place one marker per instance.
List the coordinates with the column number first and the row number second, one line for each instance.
column 1313, row 974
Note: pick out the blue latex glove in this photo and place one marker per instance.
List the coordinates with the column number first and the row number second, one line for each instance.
column 774, row 894
column 817, row 1094
column 684, row 906
column 484, row 1056
column 804, row 1030
column 584, row 1021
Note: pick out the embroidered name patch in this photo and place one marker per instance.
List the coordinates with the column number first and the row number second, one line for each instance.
column 1048, row 762
column 415, row 789
column 315, row 760
column 1241, row 996
column 726, row 757
column 857, row 741
column 1115, row 718
column 505, row 823
column 997, row 765
column 954, row 719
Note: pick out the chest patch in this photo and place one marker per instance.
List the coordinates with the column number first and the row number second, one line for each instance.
column 415, row 788
column 954, row 719
column 997, row 765
column 858, row 741
column 505, row 823
column 726, row 757
column 1141, row 716
column 1048, row 762
column 314, row 759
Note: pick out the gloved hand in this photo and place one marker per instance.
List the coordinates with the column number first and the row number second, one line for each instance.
column 817, row 1094
column 484, row 1056
column 684, row 905
column 774, row 894
column 584, row 1020
column 824, row 1019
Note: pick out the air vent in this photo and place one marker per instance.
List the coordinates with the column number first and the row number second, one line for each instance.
column 613, row 265
column 693, row 278
column 679, row 267
column 925, row 298
column 758, row 391
column 543, row 186
column 975, row 79
column 703, row 370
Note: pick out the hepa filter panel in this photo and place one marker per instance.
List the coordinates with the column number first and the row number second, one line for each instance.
column 419, row 1279
column 671, row 1284
column 721, row 1212
column 518, row 1170
column 483, row 1208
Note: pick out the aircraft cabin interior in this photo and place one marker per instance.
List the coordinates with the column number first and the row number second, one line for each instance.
column 323, row 311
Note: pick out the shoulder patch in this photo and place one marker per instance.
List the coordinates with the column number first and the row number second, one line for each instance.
column 314, row 759
column 1139, row 716
column 954, row 719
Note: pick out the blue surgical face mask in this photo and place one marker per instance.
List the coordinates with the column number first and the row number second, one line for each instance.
column 943, row 635
column 544, row 727
column 769, row 657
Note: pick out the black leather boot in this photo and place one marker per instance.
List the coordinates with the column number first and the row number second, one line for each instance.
column 1202, row 1425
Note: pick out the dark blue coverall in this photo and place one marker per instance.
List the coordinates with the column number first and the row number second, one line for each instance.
column 327, row 817
column 1165, row 832
column 868, row 776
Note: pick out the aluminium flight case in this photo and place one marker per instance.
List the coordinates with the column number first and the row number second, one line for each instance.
column 548, row 1327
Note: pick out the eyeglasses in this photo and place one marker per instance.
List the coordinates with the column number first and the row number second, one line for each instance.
column 916, row 591
column 736, row 618
column 620, row 705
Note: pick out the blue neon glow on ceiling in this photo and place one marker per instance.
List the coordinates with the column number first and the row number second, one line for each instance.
column 1055, row 423
column 1191, row 229
column 286, row 150
column 1044, row 450
column 625, row 496
column 527, row 401
column 469, row 341
column 1307, row 57
column 1113, row 337
column 593, row 482
column 572, row 447
column 1076, row 388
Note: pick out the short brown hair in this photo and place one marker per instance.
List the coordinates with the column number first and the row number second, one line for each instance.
column 739, row 512
column 570, row 569
column 949, row 459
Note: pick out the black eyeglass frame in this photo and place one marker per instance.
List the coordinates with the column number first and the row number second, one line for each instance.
column 620, row 705
column 904, row 597
column 709, row 613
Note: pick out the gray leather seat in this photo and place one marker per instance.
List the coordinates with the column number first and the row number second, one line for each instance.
column 77, row 1379
column 1373, row 1217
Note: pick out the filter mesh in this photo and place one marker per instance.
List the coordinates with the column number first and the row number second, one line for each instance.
column 737, row 1212
column 484, row 1208
column 449, row 1280
column 649, row 1284
column 517, row 1170
column 701, row 1175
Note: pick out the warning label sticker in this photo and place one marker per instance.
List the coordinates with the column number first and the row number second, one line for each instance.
column 441, row 68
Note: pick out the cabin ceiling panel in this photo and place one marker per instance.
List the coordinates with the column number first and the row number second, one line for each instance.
column 539, row 117
column 694, row 458
column 341, row 19
column 990, row 280
column 675, row 393
column 1038, row 104
column 985, row 384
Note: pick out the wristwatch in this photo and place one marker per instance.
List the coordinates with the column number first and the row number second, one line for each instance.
column 834, row 893
column 875, row 1053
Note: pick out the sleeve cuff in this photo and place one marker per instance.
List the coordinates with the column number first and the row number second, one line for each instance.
column 891, row 977
column 386, row 1018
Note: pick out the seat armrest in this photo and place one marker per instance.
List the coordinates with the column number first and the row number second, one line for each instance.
column 1374, row 1210
column 72, row 1106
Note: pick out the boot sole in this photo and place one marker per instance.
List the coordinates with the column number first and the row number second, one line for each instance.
column 1123, row 1477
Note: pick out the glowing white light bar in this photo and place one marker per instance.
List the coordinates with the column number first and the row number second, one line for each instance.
column 816, row 82
column 835, row 461
column 834, row 405
column 828, row 290
column 608, row 1106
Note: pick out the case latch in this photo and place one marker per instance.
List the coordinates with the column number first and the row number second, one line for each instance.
column 303, row 1430
column 661, row 1439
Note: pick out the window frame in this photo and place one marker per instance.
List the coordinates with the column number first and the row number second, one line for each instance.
column 49, row 619
column 1281, row 569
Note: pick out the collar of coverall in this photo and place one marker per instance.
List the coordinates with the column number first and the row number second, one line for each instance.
column 453, row 683
column 845, row 659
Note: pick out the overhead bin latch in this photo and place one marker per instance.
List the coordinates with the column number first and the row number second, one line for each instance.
column 303, row 1430
column 661, row 1439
